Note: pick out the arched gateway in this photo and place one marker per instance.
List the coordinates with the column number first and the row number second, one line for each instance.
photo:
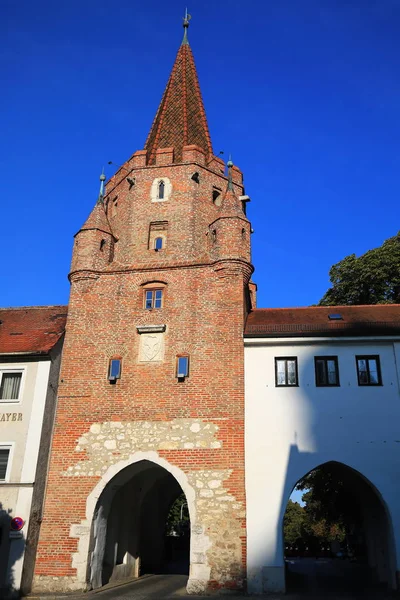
column 127, row 511
column 360, row 558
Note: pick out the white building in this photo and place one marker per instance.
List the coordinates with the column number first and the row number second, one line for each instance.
column 322, row 384
column 30, row 352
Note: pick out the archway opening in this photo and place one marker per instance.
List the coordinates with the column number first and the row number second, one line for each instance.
column 337, row 534
column 141, row 525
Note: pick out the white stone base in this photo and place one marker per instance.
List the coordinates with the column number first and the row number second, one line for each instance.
column 262, row 580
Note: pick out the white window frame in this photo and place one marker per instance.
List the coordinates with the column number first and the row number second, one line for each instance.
column 7, row 446
column 154, row 189
column 13, row 369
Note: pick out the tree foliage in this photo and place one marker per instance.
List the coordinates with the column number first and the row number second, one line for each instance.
column 177, row 510
column 373, row 278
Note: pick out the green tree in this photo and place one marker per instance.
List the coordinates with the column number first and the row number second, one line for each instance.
column 293, row 522
column 331, row 502
column 177, row 510
column 373, row 278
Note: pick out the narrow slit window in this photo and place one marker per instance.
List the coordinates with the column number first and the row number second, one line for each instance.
column 158, row 243
column 102, row 244
column 182, row 367
column 161, row 190
column 10, row 385
column 114, row 370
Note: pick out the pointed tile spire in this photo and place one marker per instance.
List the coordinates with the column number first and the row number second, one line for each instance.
column 180, row 119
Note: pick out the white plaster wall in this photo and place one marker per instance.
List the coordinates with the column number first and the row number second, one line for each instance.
column 24, row 435
column 290, row 431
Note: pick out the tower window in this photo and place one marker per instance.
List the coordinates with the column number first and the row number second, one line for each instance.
column 216, row 196
column 182, row 367
column 152, row 299
column 161, row 190
column 114, row 370
column 102, row 244
column 158, row 243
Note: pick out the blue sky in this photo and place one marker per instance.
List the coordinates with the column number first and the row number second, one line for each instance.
column 305, row 95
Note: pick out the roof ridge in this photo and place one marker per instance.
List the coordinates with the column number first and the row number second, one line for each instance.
column 41, row 306
column 353, row 306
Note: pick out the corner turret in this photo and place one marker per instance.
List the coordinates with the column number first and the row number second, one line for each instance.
column 94, row 243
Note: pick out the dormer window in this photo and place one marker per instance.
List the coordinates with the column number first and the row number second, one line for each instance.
column 161, row 190
column 158, row 243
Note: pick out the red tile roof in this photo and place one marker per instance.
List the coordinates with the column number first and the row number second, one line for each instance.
column 31, row 329
column 181, row 118
column 380, row 319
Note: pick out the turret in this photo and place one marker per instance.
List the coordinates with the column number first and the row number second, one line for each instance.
column 230, row 232
column 94, row 243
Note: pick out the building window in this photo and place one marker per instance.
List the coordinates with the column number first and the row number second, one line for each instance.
column 286, row 371
column 161, row 190
column 153, row 299
column 158, row 243
column 114, row 369
column 326, row 371
column 216, row 196
column 10, row 385
column 182, row 367
column 368, row 370
column 4, row 462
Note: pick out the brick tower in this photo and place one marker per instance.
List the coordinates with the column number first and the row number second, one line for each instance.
column 151, row 396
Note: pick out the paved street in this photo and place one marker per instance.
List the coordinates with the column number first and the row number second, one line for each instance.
column 308, row 579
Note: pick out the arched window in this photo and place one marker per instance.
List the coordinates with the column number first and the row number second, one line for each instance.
column 158, row 243
column 161, row 190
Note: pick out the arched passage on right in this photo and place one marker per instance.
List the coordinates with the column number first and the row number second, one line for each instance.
column 360, row 555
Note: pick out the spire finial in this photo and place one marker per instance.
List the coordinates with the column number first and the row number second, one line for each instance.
column 186, row 20
column 229, row 164
column 102, row 180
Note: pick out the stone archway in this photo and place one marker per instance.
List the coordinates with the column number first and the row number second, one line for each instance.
column 105, row 550
column 366, row 552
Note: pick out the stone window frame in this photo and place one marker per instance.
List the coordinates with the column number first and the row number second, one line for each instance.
column 167, row 189
column 157, row 229
column 112, row 358
column 14, row 369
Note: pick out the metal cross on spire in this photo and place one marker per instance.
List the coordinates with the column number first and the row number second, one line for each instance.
column 186, row 20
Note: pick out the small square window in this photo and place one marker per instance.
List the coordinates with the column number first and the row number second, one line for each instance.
column 286, row 373
column 4, row 461
column 368, row 370
column 10, row 385
column 326, row 371
column 114, row 371
column 153, row 299
column 182, row 367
